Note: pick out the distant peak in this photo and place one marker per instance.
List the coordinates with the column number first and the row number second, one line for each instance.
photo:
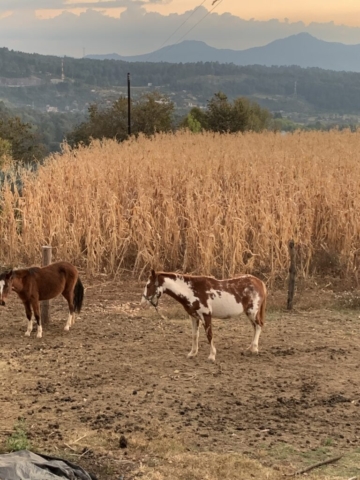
column 303, row 34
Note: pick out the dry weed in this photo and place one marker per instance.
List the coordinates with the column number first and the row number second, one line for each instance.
column 212, row 204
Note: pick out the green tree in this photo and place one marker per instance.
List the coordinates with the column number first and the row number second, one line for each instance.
column 25, row 143
column 194, row 125
column 220, row 114
column 195, row 121
column 151, row 114
column 240, row 115
column 257, row 118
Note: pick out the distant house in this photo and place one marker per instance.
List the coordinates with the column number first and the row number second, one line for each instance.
column 162, row 101
column 20, row 82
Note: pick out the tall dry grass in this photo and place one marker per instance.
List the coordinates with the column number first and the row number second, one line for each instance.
column 212, row 204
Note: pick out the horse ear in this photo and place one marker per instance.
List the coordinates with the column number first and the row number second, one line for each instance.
column 153, row 274
column 8, row 274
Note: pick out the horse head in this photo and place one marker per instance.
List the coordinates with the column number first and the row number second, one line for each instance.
column 5, row 286
column 152, row 291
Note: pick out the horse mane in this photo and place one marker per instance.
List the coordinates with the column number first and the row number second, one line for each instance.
column 21, row 272
column 33, row 270
column 179, row 274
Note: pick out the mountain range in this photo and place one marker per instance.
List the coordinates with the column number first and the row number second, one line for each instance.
column 302, row 50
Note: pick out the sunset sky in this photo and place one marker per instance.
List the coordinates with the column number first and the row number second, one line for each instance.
column 339, row 11
column 131, row 27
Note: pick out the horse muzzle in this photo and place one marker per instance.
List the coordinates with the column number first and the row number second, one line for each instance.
column 153, row 300
column 2, row 303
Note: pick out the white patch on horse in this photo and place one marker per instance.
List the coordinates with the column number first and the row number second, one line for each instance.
column 184, row 290
column 252, row 313
column 255, row 343
column 224, row 305
column 29, row 328
column 2, row 285
column 143, row 298
column 39, row 332
column 212, row 352
column 68, row 323
column 195, row 338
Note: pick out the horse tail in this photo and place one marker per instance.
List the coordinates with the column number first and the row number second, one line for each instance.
column 78, row 295
column 261, row 313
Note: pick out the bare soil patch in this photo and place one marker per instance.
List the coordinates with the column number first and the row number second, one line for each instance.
column 122, row 371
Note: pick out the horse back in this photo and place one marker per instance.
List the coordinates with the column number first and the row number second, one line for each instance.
column 229, row 298
column 54, row 279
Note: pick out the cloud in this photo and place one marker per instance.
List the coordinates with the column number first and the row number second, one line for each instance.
column 24, row 5
column 137, row 31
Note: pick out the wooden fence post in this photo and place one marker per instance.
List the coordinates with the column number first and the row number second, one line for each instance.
column 292, row 273
column 45, row 304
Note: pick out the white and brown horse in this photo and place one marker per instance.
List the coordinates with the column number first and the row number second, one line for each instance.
column 207, row 297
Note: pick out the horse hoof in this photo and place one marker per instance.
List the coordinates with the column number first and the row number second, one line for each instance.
column 39, row 335
column 252, row 349
column 211, row 359
column 27, row 334
column 191, row 355
column 66, row 328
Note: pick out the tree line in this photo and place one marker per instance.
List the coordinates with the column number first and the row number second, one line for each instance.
column 155, row 113
column 150, row 114
column 29, row 136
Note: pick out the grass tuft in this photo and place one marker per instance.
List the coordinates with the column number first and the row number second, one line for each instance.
column 18, row 440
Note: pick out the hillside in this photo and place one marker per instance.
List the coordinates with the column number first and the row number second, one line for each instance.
column 302, row 50
column 290, row 89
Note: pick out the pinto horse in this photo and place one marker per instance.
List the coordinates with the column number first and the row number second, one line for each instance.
column 207, row 297
column 35, row 284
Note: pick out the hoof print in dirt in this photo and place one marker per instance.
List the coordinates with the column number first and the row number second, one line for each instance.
column 123, row 443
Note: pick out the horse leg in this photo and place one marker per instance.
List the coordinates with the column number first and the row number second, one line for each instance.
column 254, row 347
column 36, row 308
column 69, row 297
column 195, row 337
column 28, row 316
column 208, row 331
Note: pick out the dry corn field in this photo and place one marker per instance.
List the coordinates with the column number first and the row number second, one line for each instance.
column 210, row 204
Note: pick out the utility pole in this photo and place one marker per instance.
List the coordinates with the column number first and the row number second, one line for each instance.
column 295, row 90
column 129, row 104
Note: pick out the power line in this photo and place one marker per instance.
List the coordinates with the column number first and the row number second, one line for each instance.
column 201, row 19
column 216, row 3
column 183, row 23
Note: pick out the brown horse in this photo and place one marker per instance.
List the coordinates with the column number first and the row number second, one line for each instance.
column 35, row 284
column 207, row 297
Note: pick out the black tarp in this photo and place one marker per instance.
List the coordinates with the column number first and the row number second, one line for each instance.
column 25, row 465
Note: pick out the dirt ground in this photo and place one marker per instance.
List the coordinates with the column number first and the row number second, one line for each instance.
column 123, row 371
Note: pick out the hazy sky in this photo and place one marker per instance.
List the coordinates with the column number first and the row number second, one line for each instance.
column 339, row 11
column 67, row 27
